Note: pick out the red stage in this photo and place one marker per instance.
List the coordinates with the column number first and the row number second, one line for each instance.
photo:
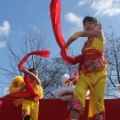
column 54, row 109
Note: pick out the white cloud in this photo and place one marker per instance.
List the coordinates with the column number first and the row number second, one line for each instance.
column 74, row 19
column 101, row 7
column 82, row 2
column 5, row 28
column 2, row 44
column 105, row 7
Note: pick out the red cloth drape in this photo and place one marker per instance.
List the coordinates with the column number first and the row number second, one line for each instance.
column 55, row 109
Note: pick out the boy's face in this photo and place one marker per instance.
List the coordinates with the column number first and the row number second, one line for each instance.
column 35, row 72
column 89, row 25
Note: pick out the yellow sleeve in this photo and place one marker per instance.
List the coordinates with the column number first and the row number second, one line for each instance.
column 39, row 90
column 76, row 35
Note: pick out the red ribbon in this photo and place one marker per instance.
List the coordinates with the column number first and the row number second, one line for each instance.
column 43, row 53
column 55, row 9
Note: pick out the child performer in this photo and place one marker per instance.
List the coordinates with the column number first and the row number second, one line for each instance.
column 30, row 106
column 93, row 72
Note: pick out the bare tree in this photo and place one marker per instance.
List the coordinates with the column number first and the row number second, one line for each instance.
column 32, row 40
column 112, row 53
column 50, row 69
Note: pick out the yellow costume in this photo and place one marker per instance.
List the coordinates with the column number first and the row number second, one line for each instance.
column 15, row 86
column 31, row 105
column 92, row 77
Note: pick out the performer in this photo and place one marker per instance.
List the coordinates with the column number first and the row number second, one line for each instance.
column 30, row 105
column 92, row 64
column 31, row 91
column 93, row 73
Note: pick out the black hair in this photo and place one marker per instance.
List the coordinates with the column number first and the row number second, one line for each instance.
column 32, row 69
column 91, row 19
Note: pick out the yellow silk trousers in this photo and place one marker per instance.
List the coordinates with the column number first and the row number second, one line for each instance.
column 31, row 107
column 96, row 83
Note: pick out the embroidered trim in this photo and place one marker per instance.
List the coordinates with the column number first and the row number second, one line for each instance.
column 100, row 116
column 75, row 104
column 93, row 64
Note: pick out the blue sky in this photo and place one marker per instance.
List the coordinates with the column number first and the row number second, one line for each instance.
column 17, row 15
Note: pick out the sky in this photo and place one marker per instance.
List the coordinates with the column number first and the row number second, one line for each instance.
column 16, row 16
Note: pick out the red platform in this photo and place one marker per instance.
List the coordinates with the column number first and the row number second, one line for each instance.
column 55, row 109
